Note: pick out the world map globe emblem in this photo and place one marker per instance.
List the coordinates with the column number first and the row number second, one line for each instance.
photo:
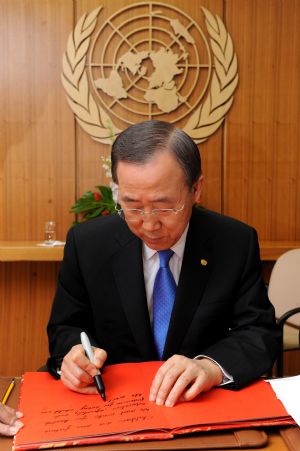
column 149, row 60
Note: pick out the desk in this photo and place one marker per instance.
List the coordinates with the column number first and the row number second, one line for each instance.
column 17, row 251
column 271, row 250
column 275, row 442
column 29, row 251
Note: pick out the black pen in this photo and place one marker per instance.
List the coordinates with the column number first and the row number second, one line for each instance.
column 88, row 350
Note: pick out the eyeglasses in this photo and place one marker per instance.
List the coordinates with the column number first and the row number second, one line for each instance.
column 138, row 214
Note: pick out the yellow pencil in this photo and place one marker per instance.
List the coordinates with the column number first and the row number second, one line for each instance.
column 8, row 391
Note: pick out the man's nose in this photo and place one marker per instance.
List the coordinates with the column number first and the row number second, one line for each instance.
column 150, row 222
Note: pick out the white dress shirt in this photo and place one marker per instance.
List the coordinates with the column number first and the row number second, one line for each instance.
column 151, row 266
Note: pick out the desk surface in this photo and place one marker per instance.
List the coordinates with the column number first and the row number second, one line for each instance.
column 13, row 251
column 275, row 442
column 30, row 251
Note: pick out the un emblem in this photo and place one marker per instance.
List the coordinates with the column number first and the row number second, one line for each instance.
column 144, row 62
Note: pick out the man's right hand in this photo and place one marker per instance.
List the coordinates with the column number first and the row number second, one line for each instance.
column 77, row 371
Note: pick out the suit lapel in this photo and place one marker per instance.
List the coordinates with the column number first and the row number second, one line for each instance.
column 195, row 270
column 128, row 270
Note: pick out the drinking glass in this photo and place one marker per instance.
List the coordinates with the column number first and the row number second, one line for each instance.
column 50, row 232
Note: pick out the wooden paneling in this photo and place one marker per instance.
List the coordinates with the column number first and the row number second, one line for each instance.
column 292, row 362
column 251, row 164
column 37, row 170
column 262, row 161
column 25, row 303
column 37, row 167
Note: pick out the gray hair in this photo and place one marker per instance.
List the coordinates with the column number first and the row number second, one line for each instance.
column 139, row 142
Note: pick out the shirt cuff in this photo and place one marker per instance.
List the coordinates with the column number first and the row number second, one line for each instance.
column 227, row 378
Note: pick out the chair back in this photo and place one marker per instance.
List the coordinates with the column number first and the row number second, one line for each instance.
column 284, row 285
column 284, row 293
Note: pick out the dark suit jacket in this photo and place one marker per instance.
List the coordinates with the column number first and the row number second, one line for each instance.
column 221, row 308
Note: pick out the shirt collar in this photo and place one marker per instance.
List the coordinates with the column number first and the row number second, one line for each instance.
column 178, row 247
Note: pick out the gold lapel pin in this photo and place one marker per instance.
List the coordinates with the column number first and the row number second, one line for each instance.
column 203, row 262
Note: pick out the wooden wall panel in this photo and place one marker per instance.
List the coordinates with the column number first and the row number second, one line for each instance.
column 262, row 163
column 25, row 302
column 37, row 169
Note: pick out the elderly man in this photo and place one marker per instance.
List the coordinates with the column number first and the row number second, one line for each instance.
column 163, row 280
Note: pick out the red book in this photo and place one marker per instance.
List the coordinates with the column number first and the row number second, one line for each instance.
column 55, row 416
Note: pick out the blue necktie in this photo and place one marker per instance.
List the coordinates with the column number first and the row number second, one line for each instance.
column 163, row 299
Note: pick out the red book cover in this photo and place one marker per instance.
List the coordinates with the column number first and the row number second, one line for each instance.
column 55, row 416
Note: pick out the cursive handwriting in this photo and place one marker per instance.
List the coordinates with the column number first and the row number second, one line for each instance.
column 126, row 409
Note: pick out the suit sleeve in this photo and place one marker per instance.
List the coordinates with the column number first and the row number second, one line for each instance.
column 251, row 345
column 71, row 313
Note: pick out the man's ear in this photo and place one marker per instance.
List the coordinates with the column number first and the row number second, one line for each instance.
column 197, row 188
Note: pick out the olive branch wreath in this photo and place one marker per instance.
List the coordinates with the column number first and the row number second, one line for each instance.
column 95, row 121
column 92, row 118
column 210, row 115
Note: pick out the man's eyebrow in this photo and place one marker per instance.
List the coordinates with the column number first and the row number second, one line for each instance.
column 162, row 199
column 127, row 198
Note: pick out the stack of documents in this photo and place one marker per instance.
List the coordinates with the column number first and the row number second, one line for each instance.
column 287, row 390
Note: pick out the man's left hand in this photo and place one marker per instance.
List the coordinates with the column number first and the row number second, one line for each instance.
column 182, row 379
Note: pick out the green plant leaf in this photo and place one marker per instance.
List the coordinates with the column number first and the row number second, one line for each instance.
column 87, row 207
